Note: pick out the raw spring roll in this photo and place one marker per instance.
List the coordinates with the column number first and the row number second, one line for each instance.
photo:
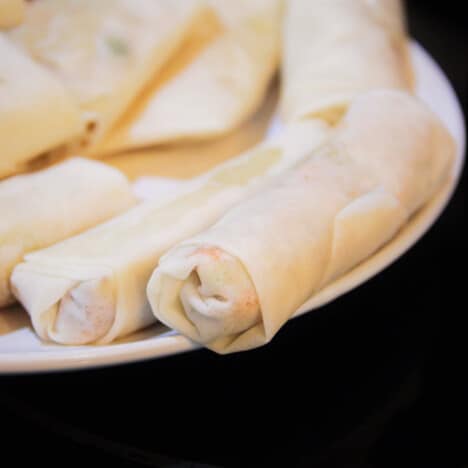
column 45, row 207
column 187, row 160
column 11, row 13
column 336, row 49
column 233, row 286
column 92, row 288
column 105, row 51
column 219, row 78
column 36, row 112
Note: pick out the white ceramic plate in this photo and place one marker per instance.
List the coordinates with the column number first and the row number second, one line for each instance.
column 22, row 351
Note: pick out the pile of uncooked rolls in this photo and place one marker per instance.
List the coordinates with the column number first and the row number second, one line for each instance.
column 228, row 262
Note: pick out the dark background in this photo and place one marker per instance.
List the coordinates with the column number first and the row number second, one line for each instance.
column 375, row 379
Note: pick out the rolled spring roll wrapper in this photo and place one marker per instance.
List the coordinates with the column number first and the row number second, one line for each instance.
column 40, row 209
column 105, row 52
column 36, row 112
column 217, row 81
column 92, row 288
column 336, row 49
column 233, row 286
column 11, row 13
column 189, row 160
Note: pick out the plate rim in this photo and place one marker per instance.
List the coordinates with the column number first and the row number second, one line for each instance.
column 171, row 343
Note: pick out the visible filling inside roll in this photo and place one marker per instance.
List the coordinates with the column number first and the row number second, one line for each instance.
column 85, row 313
column 218, row 296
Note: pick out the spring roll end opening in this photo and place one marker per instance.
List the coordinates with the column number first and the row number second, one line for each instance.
column 84, row 314
column 218, row 297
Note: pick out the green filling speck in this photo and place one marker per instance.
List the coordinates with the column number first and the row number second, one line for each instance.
column 117, row 46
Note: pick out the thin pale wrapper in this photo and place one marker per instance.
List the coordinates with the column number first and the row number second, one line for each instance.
column 36, row 112
column 218, row 79
column 92, row 288
column 279, row 247
column 192, row 159
column 45, row 207
column 105, row 51
column 336, row 49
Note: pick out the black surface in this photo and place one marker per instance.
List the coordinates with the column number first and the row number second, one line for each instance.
column 377, row 378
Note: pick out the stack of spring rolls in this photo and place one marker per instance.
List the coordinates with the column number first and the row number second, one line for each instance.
column 229, row 262
column 107, row 76
column 218, row 81
column 234, row 285
column 73, row 74
column 91, row 288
